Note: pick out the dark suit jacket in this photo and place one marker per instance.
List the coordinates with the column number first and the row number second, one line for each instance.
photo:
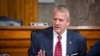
column 95, row 51
column 76, row 44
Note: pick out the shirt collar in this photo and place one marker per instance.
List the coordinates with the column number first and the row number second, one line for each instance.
column 61, row 34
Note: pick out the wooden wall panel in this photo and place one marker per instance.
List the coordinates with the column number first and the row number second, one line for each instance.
column 14, row 34
column 15, row 41
column 91, row 34
column 14, row 51
column 90, row 43
column 25, row 10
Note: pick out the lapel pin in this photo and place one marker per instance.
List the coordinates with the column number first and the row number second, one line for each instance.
column 70, row 42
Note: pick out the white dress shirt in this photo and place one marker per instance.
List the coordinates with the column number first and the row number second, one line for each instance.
column 63, row 42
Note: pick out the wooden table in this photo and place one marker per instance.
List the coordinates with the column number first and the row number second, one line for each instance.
column 15, row 40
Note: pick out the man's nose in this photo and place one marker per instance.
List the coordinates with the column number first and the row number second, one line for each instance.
column 57, row 22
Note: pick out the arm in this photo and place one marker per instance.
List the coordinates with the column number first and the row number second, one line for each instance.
column 83, row 47
column 32, row 48
column 36, row 46
column 95, row 51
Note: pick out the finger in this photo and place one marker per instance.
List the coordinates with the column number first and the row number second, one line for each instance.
column 43, row 53
column 40, row 52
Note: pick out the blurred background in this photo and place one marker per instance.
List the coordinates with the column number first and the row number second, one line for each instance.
column 83, row 12
column 17, row 15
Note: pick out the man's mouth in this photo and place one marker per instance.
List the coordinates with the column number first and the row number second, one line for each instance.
column 57, row 27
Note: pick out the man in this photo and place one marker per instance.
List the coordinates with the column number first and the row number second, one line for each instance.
column 58, row 40
column 95, row 51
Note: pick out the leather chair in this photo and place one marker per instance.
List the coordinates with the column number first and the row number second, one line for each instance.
column 6, row 21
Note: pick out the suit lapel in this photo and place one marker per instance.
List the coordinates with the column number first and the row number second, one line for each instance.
column 48, row 42
column 69, row 43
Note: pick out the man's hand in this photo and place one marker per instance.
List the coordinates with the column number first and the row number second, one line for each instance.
column 41, row 53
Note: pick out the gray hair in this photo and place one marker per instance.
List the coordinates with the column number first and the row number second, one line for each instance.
column 63, row 8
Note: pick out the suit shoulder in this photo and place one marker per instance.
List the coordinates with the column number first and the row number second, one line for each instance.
column 76, row 34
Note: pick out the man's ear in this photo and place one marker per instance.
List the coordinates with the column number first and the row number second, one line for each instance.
column 68, row 22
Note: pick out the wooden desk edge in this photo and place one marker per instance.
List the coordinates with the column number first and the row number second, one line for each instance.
column 42, row 27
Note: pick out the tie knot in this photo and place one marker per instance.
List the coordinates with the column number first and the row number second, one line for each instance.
column 59, row 37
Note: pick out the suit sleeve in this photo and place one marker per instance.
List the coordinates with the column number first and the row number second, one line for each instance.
column 83, row 47
column 33, row 46
column 95, row 51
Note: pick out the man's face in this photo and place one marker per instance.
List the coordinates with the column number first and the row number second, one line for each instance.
column 60, row 22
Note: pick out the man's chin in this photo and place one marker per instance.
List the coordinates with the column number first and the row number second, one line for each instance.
column 57, row 31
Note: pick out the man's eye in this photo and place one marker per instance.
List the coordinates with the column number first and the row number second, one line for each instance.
column 61, row 20
column 54, row 19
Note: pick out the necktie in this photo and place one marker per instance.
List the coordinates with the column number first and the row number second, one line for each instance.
column 58, row 47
